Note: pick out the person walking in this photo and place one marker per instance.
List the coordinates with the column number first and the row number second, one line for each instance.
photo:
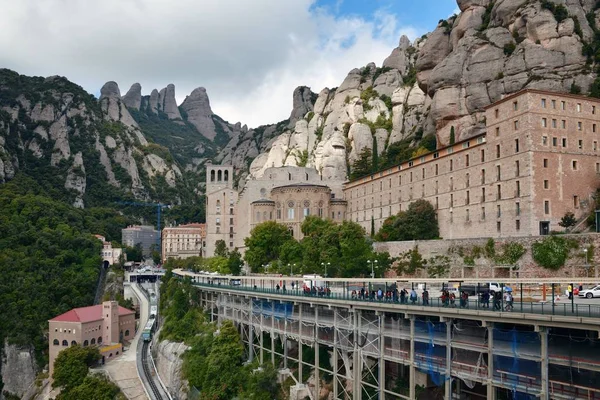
column 413, row 296
column 425, row 297
column 402, row 296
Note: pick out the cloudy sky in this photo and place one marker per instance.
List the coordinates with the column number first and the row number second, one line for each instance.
column 249, row 54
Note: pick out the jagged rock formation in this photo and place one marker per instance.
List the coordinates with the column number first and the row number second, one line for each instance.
column 18, row 369
column 80, row 143
column 133, row 98
column 199, row 113
column 303, row 100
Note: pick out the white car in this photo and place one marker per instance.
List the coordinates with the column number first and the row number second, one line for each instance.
column 590, row 293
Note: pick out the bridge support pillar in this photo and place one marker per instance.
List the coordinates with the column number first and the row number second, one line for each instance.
column 251, row 341
column 273, row 348
column 544, row 364
column 285, row 352
column 317, row 361
column 381, row 360
column 448, row 380
column 262, row 340
column 300, row 343
column 412, row 372
column 357, row 359
column 491, row 390
column 335, row 355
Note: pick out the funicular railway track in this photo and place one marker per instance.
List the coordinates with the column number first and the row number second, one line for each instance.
column 148, row 372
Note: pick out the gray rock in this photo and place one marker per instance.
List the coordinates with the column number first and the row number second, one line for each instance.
column 154, row 101
column 133, row 98
column 302, row 103
column 110, row 89
column 199, row 113
column 18, row 369
column 463, row 5
column 168, row 103
column 76, row 179
column 399, row 59
column 435, row 49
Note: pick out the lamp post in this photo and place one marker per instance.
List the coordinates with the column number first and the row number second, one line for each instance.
column 291, row 268
column 587, row 263
column 325, row 266
column 373, row 264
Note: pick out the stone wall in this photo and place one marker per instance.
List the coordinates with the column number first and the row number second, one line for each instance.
column 486, row 268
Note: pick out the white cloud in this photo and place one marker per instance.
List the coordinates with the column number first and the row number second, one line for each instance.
column 250, row 55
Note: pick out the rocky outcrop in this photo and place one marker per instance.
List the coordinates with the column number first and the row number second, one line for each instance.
column 18, row 369
column 76, row 179
column 113, row 107
column 302, row 104
column 133, row 98
column 167, row 103
column 199, row 113
column 169, row 363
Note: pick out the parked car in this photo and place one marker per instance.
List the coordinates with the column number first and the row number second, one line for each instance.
column 590, row 293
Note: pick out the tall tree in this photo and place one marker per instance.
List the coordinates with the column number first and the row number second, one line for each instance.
column 221, row 248
column 72, row 364
column 363, row 165
column 264, row 244
column 419, row 222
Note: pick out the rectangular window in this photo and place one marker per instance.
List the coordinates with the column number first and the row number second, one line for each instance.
column 516, row 145
column 450, row 150
column 554, row 104
column 517, row 168
column 468, row 180
column 545, row 163
column 483, row 176
column 483, row 195
column 451, row 200
column 544, row 123
column 278, row 214
column 545, row 140
column 578, row 107
column 543, row 103
column 436, row 155
column 467, row 215
column 482, row 155
column 498, row 226
column 437, row 203
column 497, row 131
column 466, row 145
column 564, row 124
column 436, row 187
column 593, row 109
column 497, row 151
column 554, row 123
column 291, row 215
column 515, row 105
column 564, row 142
column 468, row 198
column 594, row 128
column 518, row 225
column 466, row 160
column 517, row 209
column 436, row 170
column 518, row 191
column 411, row 176
column 579, row 126
column 451, row 183
column 554, row 142
column 498, row 192
column 563, row 105
column 574, row 165
column 496, row 113
column 423, row 173
column 576, row 201
column 451, row 165
column 580, row 144
column 516, row 125
column 546, row 207
column 482, row 212
column 546, row 184
column 498, row 174
column 498, row 211
column 306, row 212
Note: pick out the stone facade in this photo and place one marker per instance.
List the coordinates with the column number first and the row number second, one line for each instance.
column 537, row 161
column 105, row 325
column 221, row 199
column 110, row 254
column 183, row 241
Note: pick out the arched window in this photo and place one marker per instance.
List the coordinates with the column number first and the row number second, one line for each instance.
column 100, row 340
column 65, row 343
column 56, row 342
column 219, row 176
column 73, row 343
column 93, row 341
column 117, row 353
column 86, row 343
column 127, row 332
column 226, row 175
column 212, row 175
column 110, row 355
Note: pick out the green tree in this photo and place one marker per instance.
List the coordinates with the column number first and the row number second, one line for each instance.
column 452, row 135
column 363, row 165
column 221, row 248
column 568, row 220
column 135, row 253
column 264, row 244
column 235, row 262
column 261, row 383
column 410, row 261
column 93, row 388
column 72, row 364
column 419, row 222
column 222, row 365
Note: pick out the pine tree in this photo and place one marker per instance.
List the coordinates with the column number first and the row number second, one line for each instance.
column 452, row 135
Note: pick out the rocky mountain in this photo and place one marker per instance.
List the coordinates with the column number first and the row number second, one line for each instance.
column 442, row 80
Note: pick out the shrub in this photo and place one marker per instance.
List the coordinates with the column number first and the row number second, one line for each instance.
column 509, row 48
column 552, row 253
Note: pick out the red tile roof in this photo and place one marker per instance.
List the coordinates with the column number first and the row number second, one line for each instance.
column 87, row 314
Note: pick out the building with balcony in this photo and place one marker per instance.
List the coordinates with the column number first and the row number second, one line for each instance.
column 183, row 241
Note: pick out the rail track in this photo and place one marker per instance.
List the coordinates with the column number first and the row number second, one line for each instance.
column 148, row 372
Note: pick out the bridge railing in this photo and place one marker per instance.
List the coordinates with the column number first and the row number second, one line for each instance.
column 562, row 308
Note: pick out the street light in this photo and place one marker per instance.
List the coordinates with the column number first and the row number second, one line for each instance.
column 325, row 265
column 373, row 264
column 291, row 269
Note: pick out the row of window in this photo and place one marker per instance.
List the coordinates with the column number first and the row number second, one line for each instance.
column 291, row 214
column 553, row 104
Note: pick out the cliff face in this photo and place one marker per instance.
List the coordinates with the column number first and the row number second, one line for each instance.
column 18, row 369
column 444, row 79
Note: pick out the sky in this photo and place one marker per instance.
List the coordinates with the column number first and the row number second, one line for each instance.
column 248, row 54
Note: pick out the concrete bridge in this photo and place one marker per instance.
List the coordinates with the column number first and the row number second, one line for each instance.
column 386, row 350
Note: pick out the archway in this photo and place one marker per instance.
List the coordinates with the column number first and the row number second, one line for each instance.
column 105, row 264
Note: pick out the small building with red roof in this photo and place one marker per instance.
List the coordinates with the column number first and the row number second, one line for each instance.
column 105, row 325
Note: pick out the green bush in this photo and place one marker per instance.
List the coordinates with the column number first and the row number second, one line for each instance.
column 511, row 253
column 552, row 252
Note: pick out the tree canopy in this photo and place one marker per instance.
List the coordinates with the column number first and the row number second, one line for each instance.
column 264, row 244
column 71, row 366
column 419, row 222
